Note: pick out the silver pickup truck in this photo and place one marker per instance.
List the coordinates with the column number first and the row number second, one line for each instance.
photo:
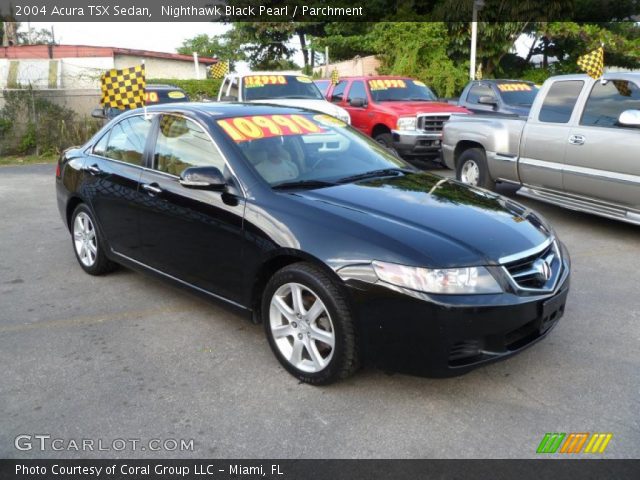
column 579, row 148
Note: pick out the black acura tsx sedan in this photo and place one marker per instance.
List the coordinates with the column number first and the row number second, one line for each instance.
column 346, row 254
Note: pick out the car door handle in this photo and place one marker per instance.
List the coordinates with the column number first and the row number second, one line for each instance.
column 577, row 139
column 152, row 188
column 93, row 169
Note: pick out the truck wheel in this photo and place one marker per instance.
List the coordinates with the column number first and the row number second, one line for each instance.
column 386, row 140
column 472, row 169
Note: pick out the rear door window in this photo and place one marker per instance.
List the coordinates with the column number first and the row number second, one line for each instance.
column 338, row 92
column 127, row 140
column 560, row 101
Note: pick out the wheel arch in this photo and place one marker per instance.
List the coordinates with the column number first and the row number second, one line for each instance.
column 379, row 129
column 462, row 147
column 278, row 261
column 72, row 204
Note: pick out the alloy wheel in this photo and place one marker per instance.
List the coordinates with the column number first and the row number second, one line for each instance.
column 470, row 173
column 84, row 239
column 302, row 327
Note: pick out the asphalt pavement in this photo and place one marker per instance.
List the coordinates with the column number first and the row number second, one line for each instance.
column 128, row 357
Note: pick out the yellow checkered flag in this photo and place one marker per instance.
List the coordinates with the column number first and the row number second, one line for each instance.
column 123, row 89
column 335, row 76
column 219, row 70
column 593, row 63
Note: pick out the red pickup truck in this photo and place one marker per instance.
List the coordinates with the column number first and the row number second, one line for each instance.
column 398, row 112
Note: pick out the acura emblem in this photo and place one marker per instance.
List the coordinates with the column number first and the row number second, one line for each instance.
column 542, row 269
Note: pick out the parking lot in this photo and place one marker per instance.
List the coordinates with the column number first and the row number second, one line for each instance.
column 126, row 356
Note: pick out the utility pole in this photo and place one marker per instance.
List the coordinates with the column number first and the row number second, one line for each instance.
column 326, row 62
column 477, row 6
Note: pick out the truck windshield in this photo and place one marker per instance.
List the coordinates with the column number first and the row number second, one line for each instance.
column 399, row 90
column 521, row 94
column 267, row 87
column 308, row 150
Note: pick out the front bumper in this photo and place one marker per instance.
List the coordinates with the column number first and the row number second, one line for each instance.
column 415, row 142
column 449, row 335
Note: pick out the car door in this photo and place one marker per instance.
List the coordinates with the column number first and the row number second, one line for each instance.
column 603, row 156
column 192, row 235
column 360, row 116
column 112, row 171
column 544, row 139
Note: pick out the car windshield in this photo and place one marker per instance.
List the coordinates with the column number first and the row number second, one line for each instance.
column 521, row 94
column 399, row 90
column 309, row 151
column 267, row 87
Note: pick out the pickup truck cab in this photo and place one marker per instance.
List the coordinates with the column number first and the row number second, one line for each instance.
column 579, row 147
column 513, row 97
column 290, row 89
column 398, row 112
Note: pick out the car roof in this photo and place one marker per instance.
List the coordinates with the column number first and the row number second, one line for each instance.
column 161, row 86
column 225, row 110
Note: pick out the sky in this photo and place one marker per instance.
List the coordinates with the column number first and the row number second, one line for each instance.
column 157, row 36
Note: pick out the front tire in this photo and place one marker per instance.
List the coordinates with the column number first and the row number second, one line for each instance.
column 386, row 140
column 87, row 244
column 472, row 169
column 309, row 324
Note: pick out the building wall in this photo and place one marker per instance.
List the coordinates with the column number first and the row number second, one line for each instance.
column 161, row 67
column 356, row 66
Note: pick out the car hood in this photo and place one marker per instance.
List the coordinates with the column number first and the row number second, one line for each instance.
column 432, row 220
column 413, row 108
column 317, row 105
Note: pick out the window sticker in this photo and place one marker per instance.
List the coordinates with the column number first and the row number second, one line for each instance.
column 304, row 79
column 329, row 121
column 419, row 83
column 253, row 81
column 176, row 94
column 150, row 97
column 384, row 84
column 242, row 129
column 514, row 87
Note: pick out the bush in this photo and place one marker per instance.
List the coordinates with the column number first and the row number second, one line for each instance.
column 196, row 89
column 32, row 124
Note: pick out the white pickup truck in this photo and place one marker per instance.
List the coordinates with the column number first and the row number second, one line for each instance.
column 290, row 89
column 579, row 148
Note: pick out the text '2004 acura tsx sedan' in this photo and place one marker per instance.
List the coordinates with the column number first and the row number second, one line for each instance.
column 346, row 253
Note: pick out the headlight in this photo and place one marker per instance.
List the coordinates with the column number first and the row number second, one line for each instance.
column 464, row 280
column 406, row 123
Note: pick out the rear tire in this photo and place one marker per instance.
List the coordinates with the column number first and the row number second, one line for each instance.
column 472, row 169
column 87, row 242
column 309, row 324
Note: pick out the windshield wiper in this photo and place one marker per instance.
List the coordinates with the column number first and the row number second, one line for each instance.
column 385, row 172
column 302, row 184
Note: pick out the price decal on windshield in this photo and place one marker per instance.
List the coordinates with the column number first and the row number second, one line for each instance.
column 242, row 129
column 514, row 87
column 262, row 80
column 383, row 84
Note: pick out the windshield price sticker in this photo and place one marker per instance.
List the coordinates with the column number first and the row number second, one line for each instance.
column 386, row 83
column 150, row 97
column 304, row 79
column 514, row 87
column 176, row 94
column 242, row 129
column 262, row 80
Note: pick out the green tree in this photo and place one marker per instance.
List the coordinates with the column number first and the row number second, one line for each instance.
column 224, row 47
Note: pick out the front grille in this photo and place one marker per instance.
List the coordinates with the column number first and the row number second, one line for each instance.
column 431, row 123
column 538, row 271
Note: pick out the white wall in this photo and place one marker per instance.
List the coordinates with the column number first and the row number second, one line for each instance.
column 161, row 67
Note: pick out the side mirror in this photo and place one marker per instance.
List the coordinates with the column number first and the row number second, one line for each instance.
column 98, row 113
column 487, row 100
column 357, row 102
column 203, row 178
column 630, row 118
column 229, row 98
